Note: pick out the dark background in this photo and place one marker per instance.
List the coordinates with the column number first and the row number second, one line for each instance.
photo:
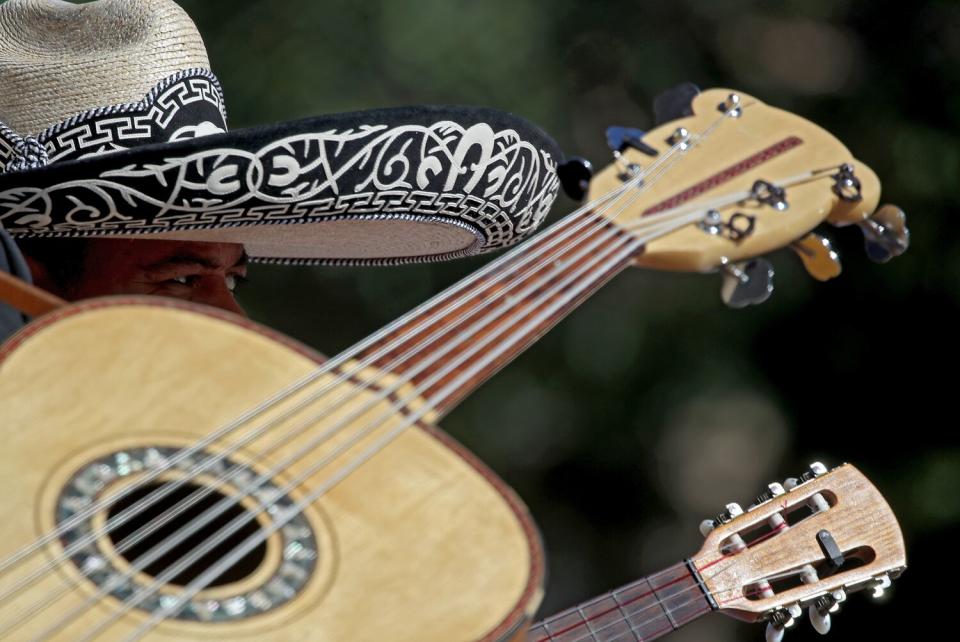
column 653, row 405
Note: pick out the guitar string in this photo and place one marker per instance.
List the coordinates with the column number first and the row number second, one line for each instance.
column 685, row 223
column 200, row 521
column 203, row 580
column 503, row 262
column 123, row 517
column 369, row 429
column 327, row 366
column 78, row 545
column 697, row 217
column 134, row 538
column 736, row 199
column 226, row 503
column 614, row 193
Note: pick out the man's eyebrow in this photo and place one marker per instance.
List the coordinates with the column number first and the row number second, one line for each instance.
column 190, row 259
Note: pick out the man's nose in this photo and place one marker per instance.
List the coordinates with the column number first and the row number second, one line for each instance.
column 216, row 293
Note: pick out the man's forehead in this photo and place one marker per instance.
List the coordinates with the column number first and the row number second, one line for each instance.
column 156, row 252
column 212, row 255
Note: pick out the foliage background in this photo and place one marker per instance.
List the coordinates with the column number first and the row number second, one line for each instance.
column 653, row 405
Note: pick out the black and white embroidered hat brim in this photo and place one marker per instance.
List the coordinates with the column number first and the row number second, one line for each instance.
column 391, row 185
column 111, row 124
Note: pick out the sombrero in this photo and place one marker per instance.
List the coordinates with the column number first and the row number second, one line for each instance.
column 112, row 124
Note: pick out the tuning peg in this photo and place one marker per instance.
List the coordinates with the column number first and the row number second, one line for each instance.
column 706, row 527
column 795, row 611
column 730, row 511
column 790, row 483
column 819, row 620
column 885, row 234
column 679, row 138
column 838, row 596
column 773, row 490
column 731, row 106
column 777, row 626
column 813, row 471
column 675, row 103
column 575, row 176
column 883, row 583
column 775, row 633
column 830, row 603
column 620, row 139
column 747, row 283
column 819, row 258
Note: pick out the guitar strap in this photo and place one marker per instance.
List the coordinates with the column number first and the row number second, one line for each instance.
column 26, row 298
column 17, row 292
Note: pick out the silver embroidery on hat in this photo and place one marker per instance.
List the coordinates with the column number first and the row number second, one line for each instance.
column 28, row 153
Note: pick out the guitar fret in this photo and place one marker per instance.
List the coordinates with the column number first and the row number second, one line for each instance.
column 606, row 620
column 636, row 634
column 511, row 311
column 586, row 621
column 663, row 607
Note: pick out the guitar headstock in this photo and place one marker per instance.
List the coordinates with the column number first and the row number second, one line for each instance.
column 742, row 179
column 802, row 546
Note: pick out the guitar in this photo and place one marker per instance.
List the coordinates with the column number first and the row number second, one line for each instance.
column 173, row 471
column 802, row 546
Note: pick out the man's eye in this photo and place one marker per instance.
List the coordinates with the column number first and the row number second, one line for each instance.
column 234, row 281
column 183, row 280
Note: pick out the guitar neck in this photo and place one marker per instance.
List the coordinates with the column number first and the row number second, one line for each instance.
column 466, row 336
column 641, row 611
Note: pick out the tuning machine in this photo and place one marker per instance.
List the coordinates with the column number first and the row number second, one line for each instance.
column 774, row 489
column 846, row 185
column 885, row 233
column 818, row 256
column 575, row 176
column 813, row 471
column 746, row 283
column 779, row 621
column 820, row 611
column 880, row 586
column 675, row 103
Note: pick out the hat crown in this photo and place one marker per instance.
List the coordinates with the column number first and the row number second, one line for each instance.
column 58, row 59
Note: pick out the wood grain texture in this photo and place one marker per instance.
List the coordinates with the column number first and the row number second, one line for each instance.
column 422, row 543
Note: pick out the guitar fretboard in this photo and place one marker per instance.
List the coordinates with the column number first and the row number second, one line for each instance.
column 644, row 610
column 467, row 337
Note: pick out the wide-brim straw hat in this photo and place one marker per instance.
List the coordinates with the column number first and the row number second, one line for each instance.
column 112, row 124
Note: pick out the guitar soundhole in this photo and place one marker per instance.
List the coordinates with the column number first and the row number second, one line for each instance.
column 243, row 568
column 86, row 533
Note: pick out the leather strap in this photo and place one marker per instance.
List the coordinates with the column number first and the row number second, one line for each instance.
column 27, row 298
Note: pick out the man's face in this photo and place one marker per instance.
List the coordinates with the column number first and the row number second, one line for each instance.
column 205, row 273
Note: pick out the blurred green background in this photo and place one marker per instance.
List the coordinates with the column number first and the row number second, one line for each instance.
column 653, row 405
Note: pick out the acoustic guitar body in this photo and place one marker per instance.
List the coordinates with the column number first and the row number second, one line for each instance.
column 421, row 542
